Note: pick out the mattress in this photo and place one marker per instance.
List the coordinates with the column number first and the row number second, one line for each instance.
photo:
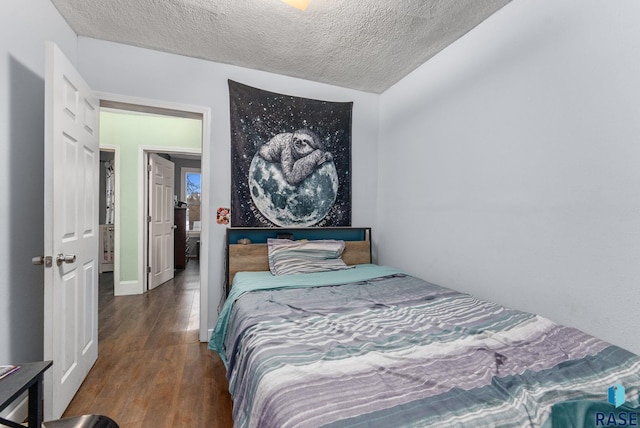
column 372, row 346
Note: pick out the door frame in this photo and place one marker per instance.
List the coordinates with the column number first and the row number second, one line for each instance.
column 205, row 153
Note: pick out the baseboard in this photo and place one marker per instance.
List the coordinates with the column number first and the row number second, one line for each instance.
column 17, row 412
column 126, row 288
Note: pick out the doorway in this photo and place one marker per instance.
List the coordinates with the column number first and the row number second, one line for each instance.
column 141, row 107
column 107, row 247
column 106, row 217
column 73, row 133
column 184, row 204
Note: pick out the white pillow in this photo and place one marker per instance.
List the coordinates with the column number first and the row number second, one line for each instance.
column 288, row 257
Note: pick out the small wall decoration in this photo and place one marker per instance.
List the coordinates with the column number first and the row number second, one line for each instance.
column 222, row 216
column 290, row 160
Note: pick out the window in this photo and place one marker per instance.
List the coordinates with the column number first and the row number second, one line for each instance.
column 191, row 189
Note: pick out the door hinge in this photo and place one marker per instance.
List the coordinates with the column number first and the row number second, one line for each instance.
column 149, row 219
column 149, row 167
column 148, row 269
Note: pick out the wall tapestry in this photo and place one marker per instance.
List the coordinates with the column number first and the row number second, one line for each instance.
column 290, row 160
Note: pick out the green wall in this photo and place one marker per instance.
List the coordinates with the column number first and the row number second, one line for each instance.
column 129, row 131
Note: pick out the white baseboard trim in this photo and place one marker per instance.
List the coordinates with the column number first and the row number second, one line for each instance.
column 17, row 412
column 126, row 288
column 209, row 333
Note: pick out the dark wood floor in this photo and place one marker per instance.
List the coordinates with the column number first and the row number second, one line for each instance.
column 152, row 371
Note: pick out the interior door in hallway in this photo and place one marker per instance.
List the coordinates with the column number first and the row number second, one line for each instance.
column 161, row 224
column 71, row 157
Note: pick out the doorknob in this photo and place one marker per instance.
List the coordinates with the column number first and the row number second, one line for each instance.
column 42, row 260
column 175, row 226
column 61, row 258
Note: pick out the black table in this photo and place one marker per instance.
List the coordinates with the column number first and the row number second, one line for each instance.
column 29, row 377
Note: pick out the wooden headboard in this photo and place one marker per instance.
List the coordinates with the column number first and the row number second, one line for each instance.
column 254, row 256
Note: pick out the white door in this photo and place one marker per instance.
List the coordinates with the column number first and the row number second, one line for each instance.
column 71, row 231
column 161, row 226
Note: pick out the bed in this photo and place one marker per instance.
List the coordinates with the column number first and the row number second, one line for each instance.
column 370, row 345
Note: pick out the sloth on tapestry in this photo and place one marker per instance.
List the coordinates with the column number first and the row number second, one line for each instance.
column 290, row 160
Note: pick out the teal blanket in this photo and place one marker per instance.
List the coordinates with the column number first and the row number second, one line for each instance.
column 245, row 282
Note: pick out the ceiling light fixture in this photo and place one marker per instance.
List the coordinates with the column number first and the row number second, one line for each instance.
column 299, row 4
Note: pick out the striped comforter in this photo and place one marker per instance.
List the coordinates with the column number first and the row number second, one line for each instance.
column 398, row 351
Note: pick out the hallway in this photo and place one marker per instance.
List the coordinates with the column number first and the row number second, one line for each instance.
column 152, row 371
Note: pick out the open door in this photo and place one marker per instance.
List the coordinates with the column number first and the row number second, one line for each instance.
column 71, row 231
column 161, row 225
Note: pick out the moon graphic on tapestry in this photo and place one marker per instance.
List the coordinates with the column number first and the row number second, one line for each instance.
column 293, row 182
column 291, row 160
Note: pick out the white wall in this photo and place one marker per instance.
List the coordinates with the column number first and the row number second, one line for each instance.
column 120, row 69
column 25, row 25
column 510, row 165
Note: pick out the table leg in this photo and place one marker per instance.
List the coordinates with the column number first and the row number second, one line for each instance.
column 35, row 404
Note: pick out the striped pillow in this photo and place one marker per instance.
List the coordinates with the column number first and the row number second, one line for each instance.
column 288, row 257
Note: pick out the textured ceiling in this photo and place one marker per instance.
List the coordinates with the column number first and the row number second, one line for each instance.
column 367, row 45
